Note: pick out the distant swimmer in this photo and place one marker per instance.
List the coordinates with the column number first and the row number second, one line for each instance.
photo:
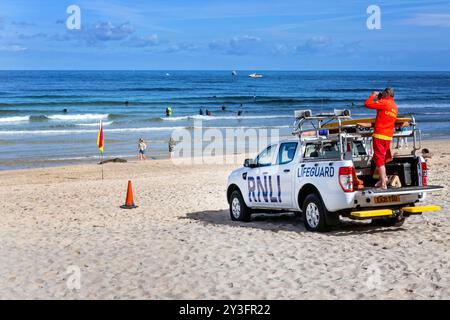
column 200, row 112
column 208, row 113
column 169, row 112
column 65, row 110
column 126, row 103
column 239, row 113
column 223, row 108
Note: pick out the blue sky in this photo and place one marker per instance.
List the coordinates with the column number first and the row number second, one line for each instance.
column 225, row 35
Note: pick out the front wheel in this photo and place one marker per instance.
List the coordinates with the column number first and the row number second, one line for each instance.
column 314, row 213
column 238, row 209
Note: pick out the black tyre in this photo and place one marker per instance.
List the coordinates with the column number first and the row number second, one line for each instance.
column 238, row 209
column 389, row 222
column 314, row 213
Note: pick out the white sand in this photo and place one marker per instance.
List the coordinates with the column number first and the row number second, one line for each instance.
column 181, row 244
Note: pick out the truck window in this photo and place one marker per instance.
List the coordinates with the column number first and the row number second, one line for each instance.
column 265, row 157
column 312, row 150
column 287, row 152
column 359, row 149
column 329, row 150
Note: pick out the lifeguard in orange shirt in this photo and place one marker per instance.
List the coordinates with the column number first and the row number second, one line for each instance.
column 384, row 129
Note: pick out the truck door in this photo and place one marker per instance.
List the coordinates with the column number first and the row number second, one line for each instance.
column 259, row 188
column 283, row 173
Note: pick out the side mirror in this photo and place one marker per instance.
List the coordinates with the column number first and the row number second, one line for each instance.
column 249, row 163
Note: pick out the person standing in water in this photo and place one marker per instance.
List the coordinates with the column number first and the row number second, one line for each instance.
column 142, row 147
column 384, row 130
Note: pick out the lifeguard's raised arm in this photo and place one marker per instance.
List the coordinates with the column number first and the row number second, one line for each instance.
column 372, row 104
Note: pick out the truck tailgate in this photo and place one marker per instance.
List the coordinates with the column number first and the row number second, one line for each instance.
column 399, row 191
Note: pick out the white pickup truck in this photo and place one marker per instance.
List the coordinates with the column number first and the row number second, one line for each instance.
column 326, row 171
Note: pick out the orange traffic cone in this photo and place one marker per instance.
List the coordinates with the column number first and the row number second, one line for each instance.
column 129, row 202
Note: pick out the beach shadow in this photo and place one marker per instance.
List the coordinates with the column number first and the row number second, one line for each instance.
column 272, row 222
column 285, row 222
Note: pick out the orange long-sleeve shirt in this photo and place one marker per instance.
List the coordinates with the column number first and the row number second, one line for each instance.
column 386, row 116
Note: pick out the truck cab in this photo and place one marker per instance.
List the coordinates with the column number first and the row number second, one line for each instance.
column 326, row 171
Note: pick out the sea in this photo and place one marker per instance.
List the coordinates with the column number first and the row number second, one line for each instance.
column 51, row 118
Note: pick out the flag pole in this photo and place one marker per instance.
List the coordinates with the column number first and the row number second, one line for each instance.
column 101, row 153
column 100, row 144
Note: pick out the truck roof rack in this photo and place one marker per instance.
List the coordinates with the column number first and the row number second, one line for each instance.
column 303, row 117
column 334, row 125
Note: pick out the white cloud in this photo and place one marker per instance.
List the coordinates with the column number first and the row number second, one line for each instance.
column 13, row 48
column 430, row 20
column 314, row 45
column 237, row 45
column 106, row 31
column 96, row 33
column 142, row 42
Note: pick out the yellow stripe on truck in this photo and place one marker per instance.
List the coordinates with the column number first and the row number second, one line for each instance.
column 421, row 209
column 372, row 213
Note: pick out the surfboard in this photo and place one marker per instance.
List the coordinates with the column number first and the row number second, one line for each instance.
column 352, row 122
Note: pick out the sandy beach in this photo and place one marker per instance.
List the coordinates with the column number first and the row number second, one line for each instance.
column 180, row 243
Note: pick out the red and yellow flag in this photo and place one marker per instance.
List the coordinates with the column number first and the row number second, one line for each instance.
column 100, row 137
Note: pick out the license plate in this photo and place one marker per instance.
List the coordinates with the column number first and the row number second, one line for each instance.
column 387, row 199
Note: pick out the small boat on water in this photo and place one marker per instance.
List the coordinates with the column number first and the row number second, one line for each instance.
column 255, row 75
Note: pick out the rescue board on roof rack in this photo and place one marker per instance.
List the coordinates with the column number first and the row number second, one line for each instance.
column 351, row 122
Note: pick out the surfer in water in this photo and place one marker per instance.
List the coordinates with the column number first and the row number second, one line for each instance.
column 239, row 113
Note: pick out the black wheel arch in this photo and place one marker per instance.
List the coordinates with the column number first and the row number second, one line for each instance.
column 231, row 188
column 305, row 191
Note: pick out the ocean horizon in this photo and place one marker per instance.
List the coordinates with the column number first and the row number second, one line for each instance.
column 51, row 117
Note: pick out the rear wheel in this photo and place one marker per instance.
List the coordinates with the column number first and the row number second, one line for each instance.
column 238, row 209
column 314, row 213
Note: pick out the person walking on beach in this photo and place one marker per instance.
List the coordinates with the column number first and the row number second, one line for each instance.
column 384, row 130
column 172, row 144
column 142, row 147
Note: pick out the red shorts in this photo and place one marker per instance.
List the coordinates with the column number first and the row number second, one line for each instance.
column 380, row 150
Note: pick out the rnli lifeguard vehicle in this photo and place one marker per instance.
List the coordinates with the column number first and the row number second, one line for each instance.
column 326, row 171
